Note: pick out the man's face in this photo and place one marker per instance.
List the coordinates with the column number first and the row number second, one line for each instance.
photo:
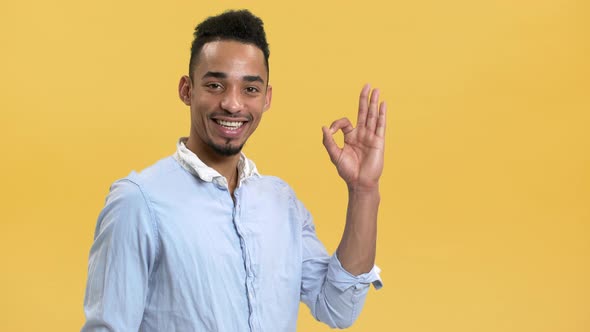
column 228, row 95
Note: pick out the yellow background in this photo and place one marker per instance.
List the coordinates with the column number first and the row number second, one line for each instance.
column 485, row 215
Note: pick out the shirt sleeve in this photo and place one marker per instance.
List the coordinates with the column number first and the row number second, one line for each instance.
column 333, row 295
column 121, row 260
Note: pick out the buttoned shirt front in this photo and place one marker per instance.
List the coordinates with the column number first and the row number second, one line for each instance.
column 174, row 252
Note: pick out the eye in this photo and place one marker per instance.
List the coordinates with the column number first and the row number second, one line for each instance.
column 252, row 89
column 214, row 86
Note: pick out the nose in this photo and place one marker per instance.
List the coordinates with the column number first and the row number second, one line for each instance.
column 232, row 101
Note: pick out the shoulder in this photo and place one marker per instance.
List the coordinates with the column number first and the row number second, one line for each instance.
column 159, row 177
column 125, row 200
column 129, row 208
column 159, row 171
column 133, row 191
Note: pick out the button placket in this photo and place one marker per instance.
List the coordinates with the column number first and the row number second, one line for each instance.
column 247, row 260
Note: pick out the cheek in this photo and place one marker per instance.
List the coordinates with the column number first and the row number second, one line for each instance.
column 199, row 121
column 256, row 122
column 200, row 108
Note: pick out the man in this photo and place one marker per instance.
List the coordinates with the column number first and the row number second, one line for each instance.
column 200, row 241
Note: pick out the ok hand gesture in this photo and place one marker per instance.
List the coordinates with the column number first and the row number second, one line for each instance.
column 360, row 161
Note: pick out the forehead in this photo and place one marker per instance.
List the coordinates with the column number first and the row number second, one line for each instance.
column 232, row 58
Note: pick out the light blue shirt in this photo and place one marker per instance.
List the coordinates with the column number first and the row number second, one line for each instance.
column 173, row 252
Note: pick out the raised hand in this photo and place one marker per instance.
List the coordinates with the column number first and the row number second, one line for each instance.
column 360, row 161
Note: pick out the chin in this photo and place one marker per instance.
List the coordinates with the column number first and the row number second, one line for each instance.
column 226, row 150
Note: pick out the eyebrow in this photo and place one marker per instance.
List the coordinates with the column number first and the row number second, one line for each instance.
column 221, row 75
column 253, row 78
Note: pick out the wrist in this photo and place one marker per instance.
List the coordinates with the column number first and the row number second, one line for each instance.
column 366, row 191
column 363, row 188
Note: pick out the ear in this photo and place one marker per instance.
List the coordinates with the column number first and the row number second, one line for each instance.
column 267, row 98
column 184, row 89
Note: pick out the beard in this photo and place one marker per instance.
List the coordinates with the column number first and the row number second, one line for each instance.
column 225, row 150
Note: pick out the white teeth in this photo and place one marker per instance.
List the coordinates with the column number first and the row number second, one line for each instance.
column 230, row 124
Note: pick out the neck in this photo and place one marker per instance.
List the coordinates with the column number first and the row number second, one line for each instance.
column 227, row 166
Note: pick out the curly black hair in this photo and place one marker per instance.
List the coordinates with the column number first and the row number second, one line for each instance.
column 238, row 25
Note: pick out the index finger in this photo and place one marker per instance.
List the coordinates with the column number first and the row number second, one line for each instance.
column 363, row 105
column 381, row 121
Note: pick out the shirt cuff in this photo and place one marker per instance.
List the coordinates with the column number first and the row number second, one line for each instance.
column 343, row 279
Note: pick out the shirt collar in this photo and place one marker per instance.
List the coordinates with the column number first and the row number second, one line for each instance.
column 191, row 163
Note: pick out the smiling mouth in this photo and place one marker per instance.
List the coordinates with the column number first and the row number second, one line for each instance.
column 231, row 125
